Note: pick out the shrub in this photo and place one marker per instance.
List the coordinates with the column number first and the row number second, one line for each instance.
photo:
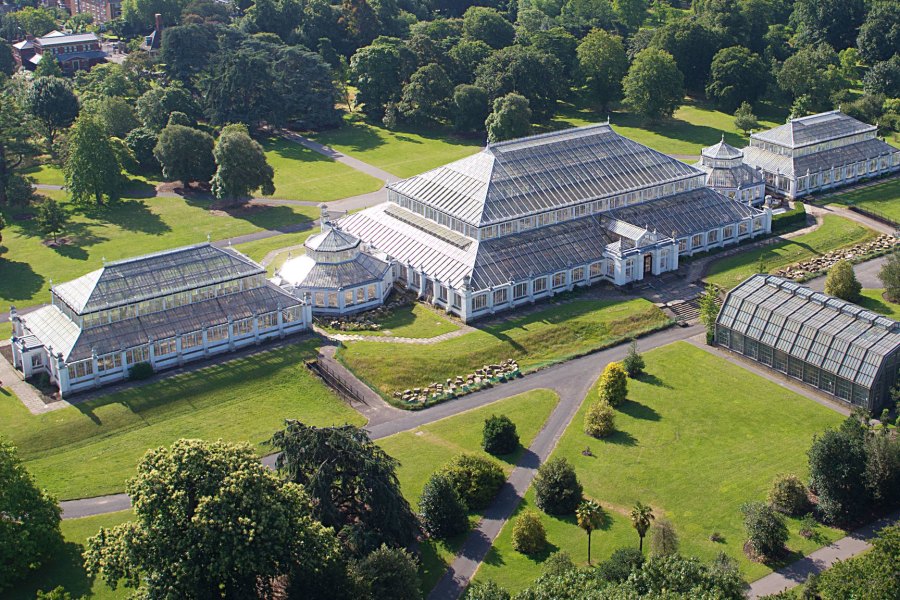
column 556, row 487
column 387, row 573
column 528, row 535
column 837, row 468
column 613, row 386
column 558, row 563
column 139, row 371
column 663, row 539
column 499, row 435
column 841, row 282
column 766, row 531
column 19, row 190
column 634, row 362
column 890, row 276
column 476, row 479
column 486, row 590
column 871, row 575
column 788, row 495
column 600, row 419
column 619, row 566
column 808, row 526
column 441, row 510
column 791, row 219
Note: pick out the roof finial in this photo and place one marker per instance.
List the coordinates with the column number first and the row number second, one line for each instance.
column 208, row 238
column 607, row 118
column 103, row 259
column 723, row 136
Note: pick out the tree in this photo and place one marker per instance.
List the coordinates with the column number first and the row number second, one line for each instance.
column 441, row 509
column 813, row 72
column 620, row 565
column 499, row 435
column 53, row 103
column 692, row 45
column 528, row 535
column 510, row 119
column 92, row 168
column 179, row 118
column 305, row 88
column 526, row 71
column 237, row 87
column 634, row 362
column 15, row 140
column 589, row 516
column 744, row 119
column 832, row 22
column 185, row 154
column 883, row 467
column 631, row 13
column 426, row 97
column 48, row 67
column 388, row 574
column 837, row 466
column 600, row 419
column 788, row 495
column 8, row 64
column 709, row 311
column 884, row 77
column 890, row 276
column 663, row 538
column 36, row 21
column 558, row 563
column 873, row 574
column 559, row 43
column 556, row 487
column 52, row 218
column 378, row 71
column 640, row 519
column 489, row 26
column 2, row 226
column 470, row 108
column 184, row 540
column 580, row 16
column 879, row 36
column 241, row 166
column 841, row 282
column 141, row 141
column 117, row 116
column 613, row 385
column 475, row 478
column 602, row 64
column 30, row 524
column 654, row 87
column 486, row 590
column 737, row 75
column 766, row 532
column 156, row 104
column 140, row 14
column 352, row 481
column 186, row 50
column 465, row 58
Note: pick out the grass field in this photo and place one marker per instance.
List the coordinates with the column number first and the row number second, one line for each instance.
column 46, row 174
column 92, row 448
column 874, row 300
column 68, row 570
column 835, row 232
column 403, row 152
column 881, row 198
column 426, row 449
column 260, row 248
column 537, row 339
column 411, row 321
column 697, row 438
column 302, row 174
column 131, row 227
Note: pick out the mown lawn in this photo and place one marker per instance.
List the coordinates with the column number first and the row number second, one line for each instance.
column 131, row 227
column 46, row 174
column 92, row 448
column 883, row 198
column 693, row 126
column 67, row 569
column 403, row 152
column 835, row 232
column 697, row 438
column 537, row 339
column 412, row 321
column 425, row 449
column 873, row 299
column 260, row 248
column 302, row 174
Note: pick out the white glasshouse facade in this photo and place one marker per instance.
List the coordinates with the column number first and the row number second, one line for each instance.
column 727, row 174
column 819, row 152
column 528, row 218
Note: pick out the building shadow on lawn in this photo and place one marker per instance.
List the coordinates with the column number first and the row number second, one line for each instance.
column 66, row 569
column 18, row 281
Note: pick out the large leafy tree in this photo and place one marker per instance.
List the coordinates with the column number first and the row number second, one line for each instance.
column 186, row 50
column 889, row 275
column 510, row 118
column 15, row 139
column 526, row 71
column 426, row 97
column 879, row 36
column 379, row 71
column 237, row 88
column 837, row 466
column 724, row 17
column 92, row 168
column 693, row 46
column 7, row 61
column 29, row 520
column 52, row 218
column 813, row 72
column 241, row 166
column 53, row 104
column 117, row 115
column 35, row 21
column 489, row 26
column 387, row 574
column 884, row 78
column 602, row 64
column 140, row 14
column 557, row 490
column 156, row 104
column 211, row 521
column 833, row 22
column 352, row 481
column 559, row 43
column 871, row 575
column 304, row 88
column 737, row 75
column 470, row 108
column 654, row 87
column 185, row 154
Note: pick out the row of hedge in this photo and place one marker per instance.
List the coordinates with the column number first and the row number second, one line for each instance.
column 789, row 220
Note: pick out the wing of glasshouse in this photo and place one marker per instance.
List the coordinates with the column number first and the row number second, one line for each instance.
column 842, row 349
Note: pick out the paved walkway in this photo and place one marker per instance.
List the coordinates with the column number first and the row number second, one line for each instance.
column 353, row 163
column 848, row 214
column 866, row 273
column 798, row 572
column 29, row 396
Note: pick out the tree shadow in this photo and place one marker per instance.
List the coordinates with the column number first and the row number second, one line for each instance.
column 66, row 569
column 18, row 281
column 653, row 380
column 131, row 215
column 138, row 188
column 637, row 410
column 621, row 438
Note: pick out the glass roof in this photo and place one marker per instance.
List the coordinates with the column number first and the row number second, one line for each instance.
column 813, row 129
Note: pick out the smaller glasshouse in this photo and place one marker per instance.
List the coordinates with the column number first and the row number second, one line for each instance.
column 162, row 310
column 727, row 174
column 838, row 347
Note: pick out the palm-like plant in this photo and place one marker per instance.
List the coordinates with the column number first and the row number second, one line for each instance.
column 589, row 516
column 640, row 518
